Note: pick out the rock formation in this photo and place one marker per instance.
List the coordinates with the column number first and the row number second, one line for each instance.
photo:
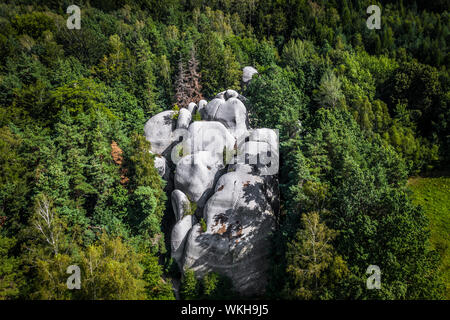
column 247, row 74
column 230, row 172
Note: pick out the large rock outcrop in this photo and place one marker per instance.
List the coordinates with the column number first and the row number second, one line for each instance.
column 228, row 173
column 239, row 219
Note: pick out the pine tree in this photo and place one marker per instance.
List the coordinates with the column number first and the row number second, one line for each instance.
column 189, row 286
column 329, row 93
column 311, row 259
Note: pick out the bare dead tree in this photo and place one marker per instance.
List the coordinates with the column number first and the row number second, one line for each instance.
column 194, row 77
column 46, row 223
column 187, row 83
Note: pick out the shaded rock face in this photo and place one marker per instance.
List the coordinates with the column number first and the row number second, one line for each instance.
column 239, row 219
column 222, row 166
column 179, row 236
column 180, row 204
column 201, row 105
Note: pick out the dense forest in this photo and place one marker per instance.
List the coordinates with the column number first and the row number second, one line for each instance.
column 359, row 111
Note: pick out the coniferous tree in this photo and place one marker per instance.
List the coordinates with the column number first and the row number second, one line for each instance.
column 312, row 260
column 187, row 83
column 329, row 93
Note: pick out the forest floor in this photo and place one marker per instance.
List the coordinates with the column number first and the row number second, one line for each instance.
column 433, row 194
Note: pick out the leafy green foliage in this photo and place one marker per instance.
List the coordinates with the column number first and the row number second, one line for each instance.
column 156, row 287
column 310, row 256
column 220, row 70
column 175, row 115
column 33, row 24
column 81, row 96
column 360, row 188
column 189, row 288
column 433, row 195
column 287, row 104
column 329, row 93
column 148, row 198
column 212, row 286
column 203, row 224
column 14, row 181
column 217, row 287
column 357, row 110
column 11, row 277
column 111, row 271
column 197, row 116
column 190, row 208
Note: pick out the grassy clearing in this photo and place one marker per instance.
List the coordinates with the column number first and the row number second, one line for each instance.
column 433, row 194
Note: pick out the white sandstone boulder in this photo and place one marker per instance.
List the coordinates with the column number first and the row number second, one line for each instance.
column 201, row 105
column 184, row 119
column 196, row 174
column 233, row 115
column 179, row 235
column 158, row 130
column 180, row 204
column 210, row 136
column 191, row 107
column 162, row 166
column 247, row 74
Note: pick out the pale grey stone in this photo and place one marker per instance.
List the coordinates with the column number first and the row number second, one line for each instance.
column 247, row 74
column 220, row 95
column 261, row 155
column 208, row 112
column 265, row 135
column 201, row 106
column 210, row 136
column 196, row 174
column 162, row 166
column 238, row 201
column 236, row 242
column 180, row 204
column 191, row 107
column 158, row 130
column 178, row 237
column 231, row 94
column 184, row 119
column 233, row 115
